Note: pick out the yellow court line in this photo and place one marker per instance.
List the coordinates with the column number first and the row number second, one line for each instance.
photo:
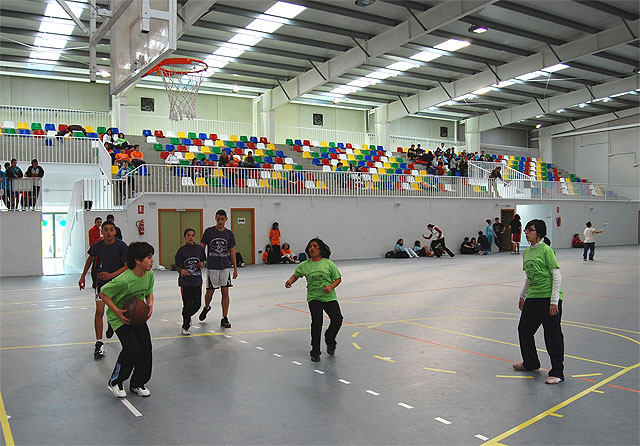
column 517, row 345
column 556, row 415
column 356, row 346
column 439, row 370
column 597, row 391
column 575, row 324
column 4, row 421
column 374, row 325
column 514, row 376
column 384, row 359
column 496, row 440
column 355, row 334
column 584, row 376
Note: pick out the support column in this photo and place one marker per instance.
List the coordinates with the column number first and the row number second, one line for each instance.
column 120, row 112
column 255, row 116
column 472, row 134
column 382, row 127
column 267, row 116
column 545, row 143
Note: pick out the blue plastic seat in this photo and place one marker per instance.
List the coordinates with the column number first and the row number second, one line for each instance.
column 213, row 157
column 115, row 131
column 316, row 162
column 280, row 153
column 341, row 145
column 49, row 127
column 380, row 148
column 403, row 165
column 227, row 182
column 144, row 171
column 362, row 164
column 186, row 142
column 240, row 145
column 297, row 142
column 324, row 156
column 178, row 172
column 169, row 147
column 146, row 133
column 254, row 139
column 24, row 132
column 202, row 136
column 332, row 150
column 48, row 142
column 92, row 135
column 268, row 160
column 368, row 158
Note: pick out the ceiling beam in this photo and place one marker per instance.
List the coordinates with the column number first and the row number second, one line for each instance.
column 591, row 121
column 388, row 40
column 545, row 15
column 190, row 13
column 567, row 52
column 609, row 9
column 346, row 12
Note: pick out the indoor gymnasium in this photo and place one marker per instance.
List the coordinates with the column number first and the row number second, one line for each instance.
column 297, row 223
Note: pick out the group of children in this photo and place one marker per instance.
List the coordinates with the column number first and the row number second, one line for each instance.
column 122, row 273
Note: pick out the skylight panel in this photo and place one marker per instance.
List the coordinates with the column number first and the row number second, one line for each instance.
column 426, row 56
column 363, row 82
column 245, row 39
column 554, row 68
column 402, row 66
column 284, row 9
column 55, row 10
column 344, row 90
column 452, row 45
column 39, row 66
column 229, row 50
column 444, row 104
column 48, row 41
column 465, row 97
column 271, row 24
column 382, row 74
column 529, row 76
column 44, row 54
column 216, row 61
column 503, row 84
column 484, row 90
column 56, row 26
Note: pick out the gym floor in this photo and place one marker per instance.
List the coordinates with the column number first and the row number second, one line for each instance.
column 424, row 357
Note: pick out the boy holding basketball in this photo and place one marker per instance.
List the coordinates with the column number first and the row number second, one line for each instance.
column 135, row 283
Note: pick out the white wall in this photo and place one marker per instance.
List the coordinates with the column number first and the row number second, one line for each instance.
column 421, row 127
column 20, row 244
column 301, row 115
column 586, row 155
column 505, row 137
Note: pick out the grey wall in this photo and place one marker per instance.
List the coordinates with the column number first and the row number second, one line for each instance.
column 505, row 137
column 20, row 244
column 421, row 127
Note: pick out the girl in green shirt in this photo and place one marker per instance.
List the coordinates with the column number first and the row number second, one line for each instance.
column 541, row 304
column 322, row 279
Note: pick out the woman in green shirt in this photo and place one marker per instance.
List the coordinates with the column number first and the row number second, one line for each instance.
column 541, row 304
column 322, row 278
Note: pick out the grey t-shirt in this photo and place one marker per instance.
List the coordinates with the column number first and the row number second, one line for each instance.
column 189, row 258
column 218, row 244
column 110, row 257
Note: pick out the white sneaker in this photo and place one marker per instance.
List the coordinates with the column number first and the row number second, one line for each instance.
column 141, row 391
column 185, row 332
column 117, row 390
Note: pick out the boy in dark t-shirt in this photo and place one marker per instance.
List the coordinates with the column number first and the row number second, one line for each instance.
column 220, row 244
column 110, row 256
column 189, row 263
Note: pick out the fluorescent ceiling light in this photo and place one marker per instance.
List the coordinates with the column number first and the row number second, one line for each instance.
column 382, row 74
column 402, row 66
column 554, row 68
column 503, row 84
column 452, row 45
column 56, row 26
column 55, row 10
column 344, row 90
column 606, row 100
column 621, row 94
column 44, row 54
column 284, row 9
column 560, row 111
column 484, row 90
column 229, row 50
column 216, row 61
column 426, row 56
column 245, row 39
column 442, row 104
column 44, row 40
column 583, row 105
column 465, row 97
column 478, row 29
column 267, row 26
column 363, row 82
column 538, row 126
column 532, row 75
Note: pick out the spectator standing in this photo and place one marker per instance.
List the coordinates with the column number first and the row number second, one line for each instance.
column 490, row 234
column 274, row 241
column 13, row 173
column 498, row 228
column 437, row 239
column 95, row 236
column 589, row 241
column 516, row 232
column 34, row 171
column 493, row 180
column 4, row 192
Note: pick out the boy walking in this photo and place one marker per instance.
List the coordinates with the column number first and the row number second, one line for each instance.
column 220, row 244
column 189, row 263
column 111, row 260
column 135, row 283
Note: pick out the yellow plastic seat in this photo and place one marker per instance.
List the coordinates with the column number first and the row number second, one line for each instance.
column 423, row 173
column 218, row 173
column 219, row 143
column 181, row 135
column 351, row 157
column 365, row 147
column 277, row 175
column 234, row 138
column 357, row 152
column 23, row 126
column 288, row 167
column 271, row 147
column 201, row 181
column 369, row 185
column 263, row 182
column 258, row 152
column 189, row 156
column 306, row 155
column 114, row 170
column 90, row 129
column 387, row 165
column 415, row 186
column 320, row 185
column 324, row 144
column 206, row 149
column 376, row 178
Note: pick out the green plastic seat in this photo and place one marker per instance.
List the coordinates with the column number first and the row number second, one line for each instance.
column 360, row 157
column 158, row 147
column 230, row 144
column 192, row 135
column 184, row 162
column 102, row 130
column 217, row 150
column 332, row 144
column 9, row 131
column 201, row 156
column 315, row 155
column 257, row 158
column 36, row 126
column 289, row 142
column 244, row 139
column 276, row 184
column 175, row 141
column 372, row 147
column 269, row 152
column 78, row 135
column 298, row 167
column 324, row 150
column 214, row 182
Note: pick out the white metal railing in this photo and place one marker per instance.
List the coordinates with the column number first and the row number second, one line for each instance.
column 55, row 116
column 426, row 143
column 109, row 194
column 50, row 150
column 137, row 123
column 509, row 150
column 284, row 132
column 21, row 194
column 482, row 169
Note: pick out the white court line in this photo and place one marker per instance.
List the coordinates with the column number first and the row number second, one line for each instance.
column 84, row 308
column 212, row 331
column 164, row 320
column 371, row 392
column 442, row 420
column 227, row 336
column 481, row 437
column 296, row 362
column 277, row 355
column 131, row 407
column 244, row 342
column 195, row 326
column 319, row 372
column 406, row 406
column 344, row 381
column 260, row 348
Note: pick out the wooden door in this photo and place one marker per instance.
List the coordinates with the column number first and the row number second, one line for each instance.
column 242, row 225
column 171, row 226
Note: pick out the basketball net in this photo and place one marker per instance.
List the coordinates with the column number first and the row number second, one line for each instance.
column 182, row 81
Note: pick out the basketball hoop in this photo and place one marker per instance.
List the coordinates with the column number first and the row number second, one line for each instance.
column 182, row 77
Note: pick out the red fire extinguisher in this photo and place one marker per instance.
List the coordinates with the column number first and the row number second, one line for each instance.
column 558, row 221
column 140, row 225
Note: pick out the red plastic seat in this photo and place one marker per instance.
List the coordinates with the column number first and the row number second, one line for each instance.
column 197, row 142
column 38, row 132
column 164, row 155
column 349, row 146
column 278, row 160
column 400, row 150
column 266, row 166
column 158, row 134
column 333, row 156
column 62, row 127
column 213, row 136
column 306, row 142
column 239, row 182
column 263, row 139
column 182, row 148
column 238, row 151
column 407, row 171
column 371, row 164
column 251, row 145
column 297, row 149
column 375, row 158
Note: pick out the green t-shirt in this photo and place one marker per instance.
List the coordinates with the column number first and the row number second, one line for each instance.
column 125, row 287
column 537, row 264
column 318, row 274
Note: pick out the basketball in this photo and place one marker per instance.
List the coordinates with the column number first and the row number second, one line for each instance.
column 136, row 310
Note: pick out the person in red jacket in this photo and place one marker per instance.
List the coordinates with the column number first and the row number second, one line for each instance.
column 95, row 235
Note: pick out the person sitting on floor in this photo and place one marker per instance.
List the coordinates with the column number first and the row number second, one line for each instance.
column 287, row 256
column 576, row 242
column 400, row 248
column 467, row 247
column 266, row 254
column 483, row 241
column 422, row 251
